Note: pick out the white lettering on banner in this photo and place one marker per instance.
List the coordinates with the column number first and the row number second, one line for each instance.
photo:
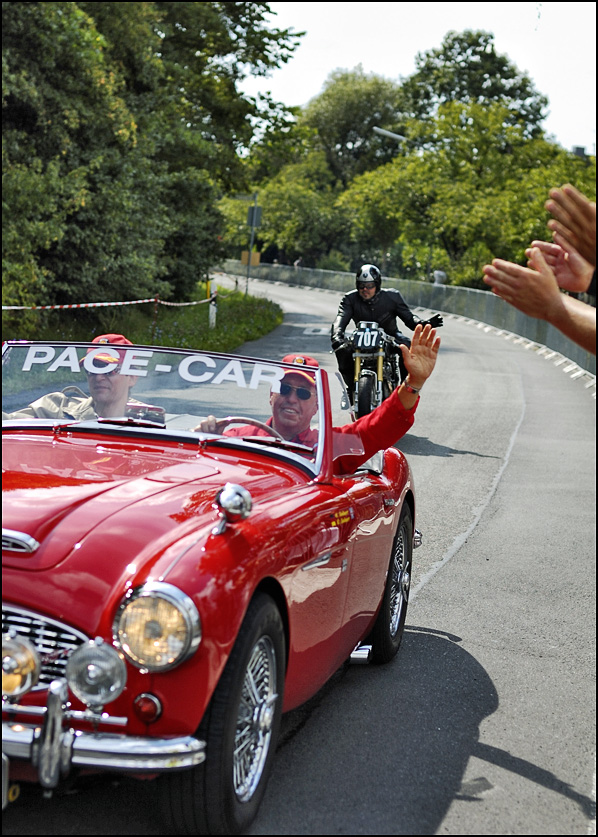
column 68, row 358
column 39, row 354
column 265, row 374
column 196, row 369
column 137, row 356
column 185, row 373
column 233, row 371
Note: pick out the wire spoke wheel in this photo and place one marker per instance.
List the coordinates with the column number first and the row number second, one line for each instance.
column 400, row 584
column 388, row 629
column 240, row 727
column 254, row 723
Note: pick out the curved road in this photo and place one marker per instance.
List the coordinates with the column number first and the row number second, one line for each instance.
column 485, row 722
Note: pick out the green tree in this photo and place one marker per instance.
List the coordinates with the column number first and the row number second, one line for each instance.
column 476, row 194
column 372, row 211
column 122, row 124
column 299, row 215
column 466, row 68
column 66, row 133
column 344, row 115
column 206, row 50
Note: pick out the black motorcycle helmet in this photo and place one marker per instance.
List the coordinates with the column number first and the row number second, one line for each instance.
column 368, row 273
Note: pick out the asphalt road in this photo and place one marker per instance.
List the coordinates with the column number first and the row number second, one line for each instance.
column 485, row 721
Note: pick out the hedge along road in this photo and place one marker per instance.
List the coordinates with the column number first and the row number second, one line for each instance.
column 485, row 722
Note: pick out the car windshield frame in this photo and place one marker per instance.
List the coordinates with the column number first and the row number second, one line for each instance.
column 181, row 387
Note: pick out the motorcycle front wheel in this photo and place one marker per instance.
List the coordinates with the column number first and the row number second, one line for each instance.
column 366, row 395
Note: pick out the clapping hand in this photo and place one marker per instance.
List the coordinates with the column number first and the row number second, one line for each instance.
column 574, row 218
column 573, row 273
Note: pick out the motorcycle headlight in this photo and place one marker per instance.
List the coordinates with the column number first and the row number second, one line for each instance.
column 20, row 665
column 96, row 673
column 157, row 627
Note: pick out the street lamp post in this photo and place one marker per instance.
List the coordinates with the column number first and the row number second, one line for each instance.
column 386, row 133
column 253, row 218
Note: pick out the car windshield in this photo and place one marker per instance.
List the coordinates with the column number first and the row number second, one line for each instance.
column 173, row 391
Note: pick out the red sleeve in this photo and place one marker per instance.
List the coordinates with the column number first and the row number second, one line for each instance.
column 378, row 430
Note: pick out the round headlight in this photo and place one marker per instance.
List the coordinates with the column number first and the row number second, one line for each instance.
column 96, row 673
column 20, row 665
column 157, row 627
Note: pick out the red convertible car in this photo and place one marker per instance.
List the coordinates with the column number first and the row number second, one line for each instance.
column 177, row 573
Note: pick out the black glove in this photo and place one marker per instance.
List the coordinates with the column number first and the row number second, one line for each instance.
column 435, row 321
column 340, row 343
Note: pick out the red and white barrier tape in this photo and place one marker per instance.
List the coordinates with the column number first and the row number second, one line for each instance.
column 102, row 304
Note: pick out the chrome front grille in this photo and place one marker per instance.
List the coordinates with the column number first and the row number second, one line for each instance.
column 53, row 640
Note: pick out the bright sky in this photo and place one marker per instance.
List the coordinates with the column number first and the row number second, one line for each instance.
column 554, row 43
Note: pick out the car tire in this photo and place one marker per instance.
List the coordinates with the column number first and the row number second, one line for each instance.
column 222, row 795
column 387, row 633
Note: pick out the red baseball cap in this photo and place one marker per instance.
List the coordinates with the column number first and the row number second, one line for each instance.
column 302, row 361
column 110, row 355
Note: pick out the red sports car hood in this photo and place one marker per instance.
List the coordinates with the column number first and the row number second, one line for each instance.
column 101, row 512
column 70, row 488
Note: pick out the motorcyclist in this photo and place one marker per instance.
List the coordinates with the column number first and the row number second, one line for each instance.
column 370, row 302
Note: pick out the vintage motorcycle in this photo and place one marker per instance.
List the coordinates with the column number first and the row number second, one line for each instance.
column 376, row 363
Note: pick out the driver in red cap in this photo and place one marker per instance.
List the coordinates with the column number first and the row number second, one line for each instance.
column 109, row 392
column 295, row 404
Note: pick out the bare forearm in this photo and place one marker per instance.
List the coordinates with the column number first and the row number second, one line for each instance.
column 577, row 321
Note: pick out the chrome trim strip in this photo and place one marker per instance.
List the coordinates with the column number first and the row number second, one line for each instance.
column 14, row 541
column 72, row 714
column 124, row 752
column 361, row 654
column 108, row 751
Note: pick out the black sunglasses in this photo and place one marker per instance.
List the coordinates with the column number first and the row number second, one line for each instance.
column 368, row 285
column 302, row 393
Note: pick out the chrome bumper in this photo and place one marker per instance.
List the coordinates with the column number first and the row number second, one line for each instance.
column 53, row 748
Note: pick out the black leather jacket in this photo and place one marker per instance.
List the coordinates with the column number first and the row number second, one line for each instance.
column 383, row 308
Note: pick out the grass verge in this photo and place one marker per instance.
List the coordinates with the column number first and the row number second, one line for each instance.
column 237, row 319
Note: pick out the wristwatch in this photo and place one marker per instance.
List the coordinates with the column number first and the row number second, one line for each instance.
column 409, row 388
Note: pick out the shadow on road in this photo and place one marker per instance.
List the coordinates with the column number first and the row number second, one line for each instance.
column 379, row 750
column 397, row 740
column 422, row 446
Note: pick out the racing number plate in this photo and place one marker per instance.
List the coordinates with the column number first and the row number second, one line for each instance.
column 366, row 338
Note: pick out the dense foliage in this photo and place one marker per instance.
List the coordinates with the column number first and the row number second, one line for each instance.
column 467, row 182
column 127, row 145
column 122, row 126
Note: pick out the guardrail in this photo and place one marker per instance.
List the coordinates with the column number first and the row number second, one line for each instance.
column 483, row 306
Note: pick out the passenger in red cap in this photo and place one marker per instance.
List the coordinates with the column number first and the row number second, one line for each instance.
column 109, row 392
